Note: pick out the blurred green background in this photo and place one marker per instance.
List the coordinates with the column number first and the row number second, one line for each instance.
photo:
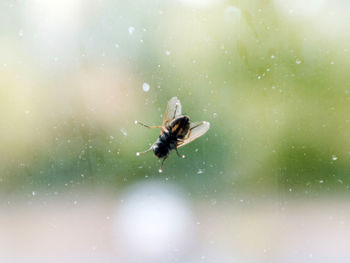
column 270, row 76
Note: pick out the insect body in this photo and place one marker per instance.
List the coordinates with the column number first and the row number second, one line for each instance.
column 176, row 130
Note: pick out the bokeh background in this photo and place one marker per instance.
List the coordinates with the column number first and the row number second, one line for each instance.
column 270, row 180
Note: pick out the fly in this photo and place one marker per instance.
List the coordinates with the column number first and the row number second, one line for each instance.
column 176, row 130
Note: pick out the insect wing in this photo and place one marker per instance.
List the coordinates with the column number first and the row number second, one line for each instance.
column 197, row 129
column 173, row 109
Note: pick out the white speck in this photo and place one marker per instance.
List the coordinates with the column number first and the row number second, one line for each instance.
column 215, row 115
column 20, row 33
column 259, row 77
column 196, row 150
column 75, row 202
column 168, row 52
column 124, row 132
column 298, row 61
column 27, row 112
column 200, row 171
column 321, row 181
column 272, row 56
column 33, row 193
column 146, row 87
column 116, row 45
column 137, row 154
column 332, row 62
column 334, row 158
column 131, row 30
column 267, row 69
column 82, row 175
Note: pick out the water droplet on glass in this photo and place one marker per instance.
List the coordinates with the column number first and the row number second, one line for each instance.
column 146, row 87
column 124, row 132
column 131, row 30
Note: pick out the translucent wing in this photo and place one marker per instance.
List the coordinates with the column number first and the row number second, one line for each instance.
column 197, row 129
column 173, row 109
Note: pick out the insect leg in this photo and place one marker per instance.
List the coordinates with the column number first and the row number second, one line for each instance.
column 180, row 155
column 150, row 127
column 160, row 170
column 139, row 153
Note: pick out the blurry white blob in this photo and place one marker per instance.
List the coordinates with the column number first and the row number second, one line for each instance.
column 131, row 30
column 327, row 17
column 153, row 224
column 53, row 25
column 124, row 131
column 300, row 8
column 146, row 87
column 200, row 3
column 232, row 14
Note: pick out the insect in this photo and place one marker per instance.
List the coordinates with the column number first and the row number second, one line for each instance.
column 176, row 131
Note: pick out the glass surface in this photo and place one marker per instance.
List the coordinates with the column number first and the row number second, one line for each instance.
column 269, row 181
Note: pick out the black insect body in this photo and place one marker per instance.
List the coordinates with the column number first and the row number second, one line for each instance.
column 169, row 138
column 176, row 130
